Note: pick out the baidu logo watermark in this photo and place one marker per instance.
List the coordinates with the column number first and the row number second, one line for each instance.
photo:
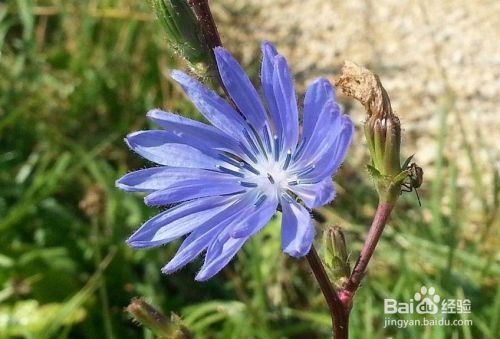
column 427, row 302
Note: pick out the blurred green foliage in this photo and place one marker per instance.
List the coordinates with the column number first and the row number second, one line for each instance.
column 75, row 78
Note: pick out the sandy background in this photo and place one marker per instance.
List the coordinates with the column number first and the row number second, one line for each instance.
column 435, row 58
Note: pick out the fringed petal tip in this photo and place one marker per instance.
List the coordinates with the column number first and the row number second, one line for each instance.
column 268, row 48
column 303, row 249
column 125, row 184
column 297, row 229
column 155, row 113
column 130, row 140
column 122, row 186
column 169, row 269
column 325, row 85
column 299, row 253
column 137, row 243
column 203, row 277
column 151, row 201
column 220, row 51
column 119, row 184
column 178, row 75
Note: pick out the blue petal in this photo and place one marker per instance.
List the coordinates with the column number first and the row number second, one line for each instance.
column 266, row 77
column 319, row 94
column 191, row 189
column 212, row 106
column 297, row 229
column 324, row 133
column 256, row 217
column 224, row 248
column 315, row 195
column 192, row 129
column 191, row 247
column 166, row 148
column 228, row 251
column 205, row 235
column 178, row 221
column 159, row 178
column 146, row 180
column 286, row 103
column 245, row 209
column 240, row 88
column 330, row 158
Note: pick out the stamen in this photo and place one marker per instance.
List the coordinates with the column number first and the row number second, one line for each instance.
column 299, row 150
column 307, row 181
column 306, row 170
column 229, row 159
column 232, row 194
column 248, row 167
column 287, row 197
column 288, row 158
column 259, row 141
column 248, row 152
column 227, row 170
column 260, row 200
column 267, row 140
column 270, row 177
column 250, row 141
column 276, row 148
column 293, row 182
column 248, row 184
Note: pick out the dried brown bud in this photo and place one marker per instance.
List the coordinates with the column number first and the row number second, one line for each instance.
column 382, row 128
column 365, row 86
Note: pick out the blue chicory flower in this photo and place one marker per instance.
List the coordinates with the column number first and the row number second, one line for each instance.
column 227, row 180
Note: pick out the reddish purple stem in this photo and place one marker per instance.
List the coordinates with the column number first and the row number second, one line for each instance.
column 340, row 302
column 379, row 220
column 204, row 15
column 340, row 323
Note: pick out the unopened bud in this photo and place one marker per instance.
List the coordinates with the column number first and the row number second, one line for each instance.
column 336, row 255
column 383, row 135
column 184, row 34
column 152, row 319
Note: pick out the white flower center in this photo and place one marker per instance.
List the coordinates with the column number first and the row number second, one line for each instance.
column 273, row 178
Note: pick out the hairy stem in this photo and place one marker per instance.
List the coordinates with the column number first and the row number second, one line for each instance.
column 337, row 310
column 380, row 219
column 204, row 15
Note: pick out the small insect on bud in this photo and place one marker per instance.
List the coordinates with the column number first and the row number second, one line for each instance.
column 336, row 255
column 415, row 176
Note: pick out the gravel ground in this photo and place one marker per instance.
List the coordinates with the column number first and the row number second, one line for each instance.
column 431, row 56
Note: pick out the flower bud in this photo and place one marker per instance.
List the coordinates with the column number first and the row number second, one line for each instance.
column 383, row 135
column 184, row 34
column 336, row 255
column 152, row 319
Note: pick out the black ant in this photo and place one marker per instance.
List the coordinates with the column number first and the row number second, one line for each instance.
column 416, row 176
